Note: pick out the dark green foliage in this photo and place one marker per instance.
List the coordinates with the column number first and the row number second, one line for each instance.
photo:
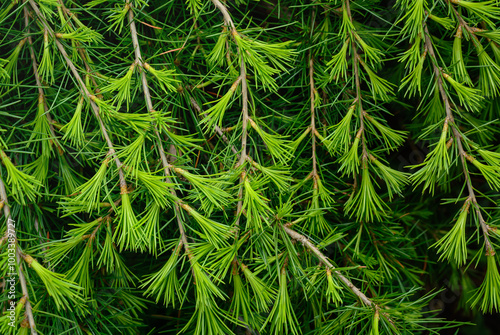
column 248, row 167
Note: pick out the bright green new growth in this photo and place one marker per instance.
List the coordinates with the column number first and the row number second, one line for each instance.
column 73, row 130
column 453, row 245
column 66, row 294
column 88, row 195
column 23, row 185
column 436, row 163
column 487, row 294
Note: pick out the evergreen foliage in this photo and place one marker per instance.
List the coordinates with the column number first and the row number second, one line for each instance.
column 208, row 167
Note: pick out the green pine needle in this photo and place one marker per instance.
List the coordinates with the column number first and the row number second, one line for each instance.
column 453, row 246
column 164, row 284
column 489, row 73
column 490, row 172
column 113, row 262
column 215, row 114
column 122, row 86
column 338, row 63
column 394, row 179
column 485, row 10
column 366, row 203
column 338, row 141
column 73, row 130
column 65, row 293
column 278, row 174
column 413, row 55
column 350, row 160
column 380, row 87
column 446, row 22
column 149, row 224
column 469, row 97
column 87, row 196
column 83, row 34
column 414, row 79
column 390, row 137
column 117, row 15
column 264, row 295
column 218, row 54
column 80, row 272
column 279, row 146
column 435, row 165
column 157, row 188
column 214, row 232
column 41, row 136
column 165, row 78
column 282, row 317
column 413, row 19
column 46, row 66
column 488, row 294
column 241, row 304
column 9, row 67
column 256, row 206
column 254, row 54
column 371, row 55
column 457, row 60
column 128, row 231
column 133, row 155
column 333, row 289
column 23, row 186
column 211, row 188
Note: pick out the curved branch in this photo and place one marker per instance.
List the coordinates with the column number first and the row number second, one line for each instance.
column 356, row 291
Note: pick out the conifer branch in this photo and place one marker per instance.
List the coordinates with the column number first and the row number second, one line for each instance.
column 224, row 217
column 22, row 279
column 225, row 13
column 356, row 291
column 85, row 92
column 39, row 84
column 68, row 14
column 490, row 251
column 245, row 118
column 149, row 105
column 358, row 100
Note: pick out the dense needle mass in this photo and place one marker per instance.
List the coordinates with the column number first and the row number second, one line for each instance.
column 282, row 167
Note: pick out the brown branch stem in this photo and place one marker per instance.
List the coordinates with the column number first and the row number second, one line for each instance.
column 313, row 122
column 356, row 291
column 22, row 279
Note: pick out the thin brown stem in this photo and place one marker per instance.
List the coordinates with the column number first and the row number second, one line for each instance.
column 22, row 279
column 313, row 121
column 244, row 135
column 464, row 24
column 225, row 13
column 356, row 291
